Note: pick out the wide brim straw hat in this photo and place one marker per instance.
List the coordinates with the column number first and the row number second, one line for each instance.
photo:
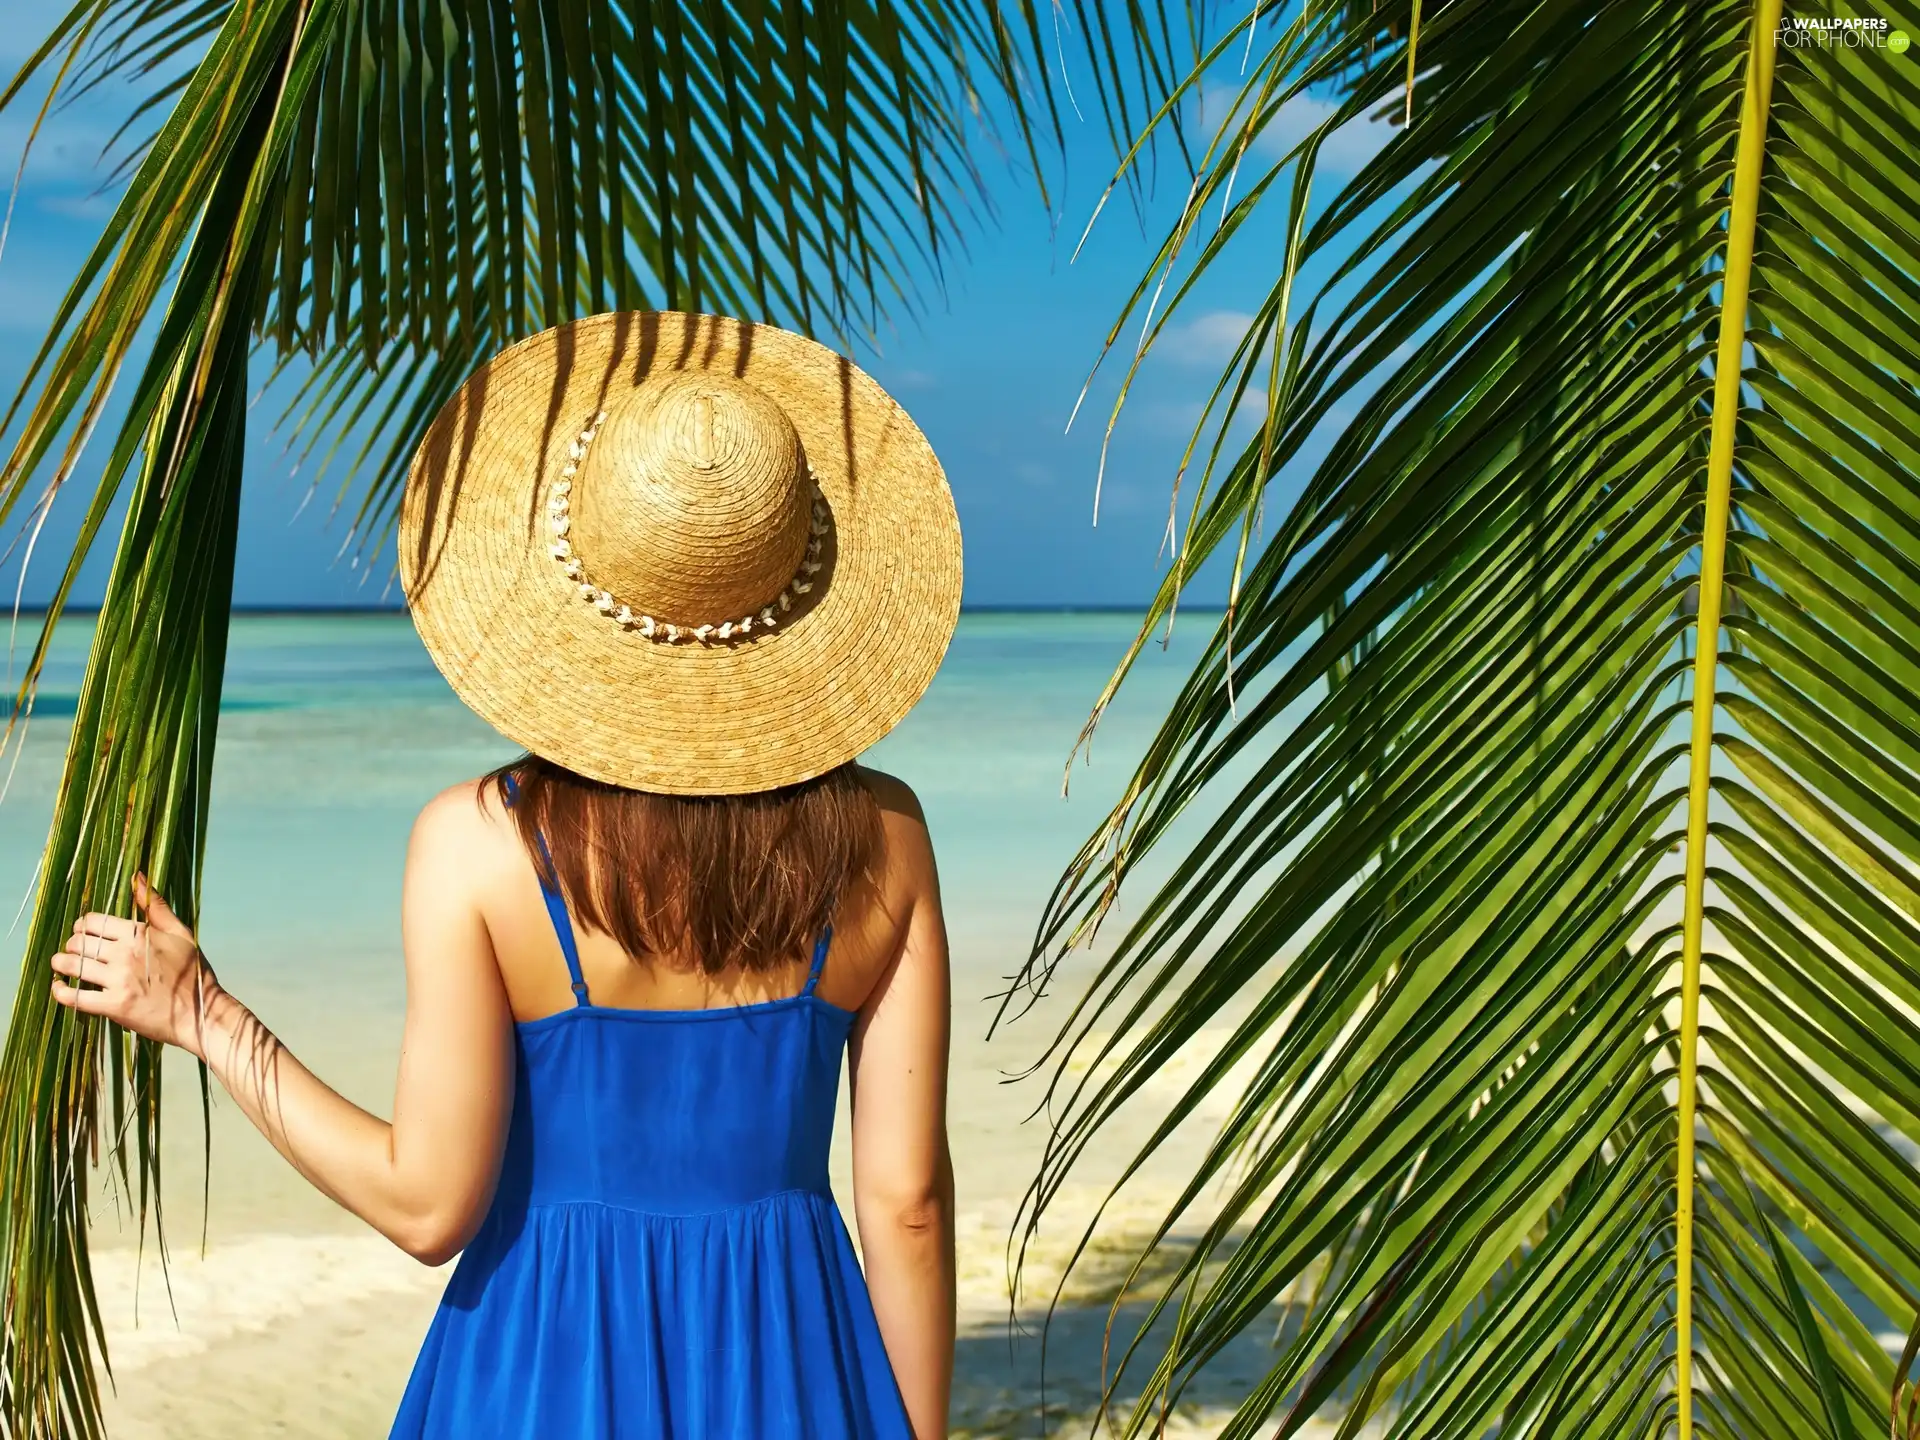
column 681, row 553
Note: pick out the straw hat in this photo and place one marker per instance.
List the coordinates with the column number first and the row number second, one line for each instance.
column 681, row 553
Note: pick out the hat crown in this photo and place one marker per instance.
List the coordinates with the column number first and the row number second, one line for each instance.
column 693, row 502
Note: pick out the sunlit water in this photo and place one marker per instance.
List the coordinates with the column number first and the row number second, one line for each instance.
column 336, row 730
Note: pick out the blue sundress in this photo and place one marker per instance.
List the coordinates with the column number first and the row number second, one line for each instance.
column 663, row 1257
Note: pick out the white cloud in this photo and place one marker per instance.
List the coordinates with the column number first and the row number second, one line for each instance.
column 1206, row 339
column 1253, row 404
column 1180, row 417
column 92, row 205
column 1342, row 153
column 67, row 150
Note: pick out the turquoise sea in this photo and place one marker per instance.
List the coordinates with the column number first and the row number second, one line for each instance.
column 336, row 729
column 294, row 1319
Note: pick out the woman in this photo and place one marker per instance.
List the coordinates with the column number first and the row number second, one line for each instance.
column 694, row 567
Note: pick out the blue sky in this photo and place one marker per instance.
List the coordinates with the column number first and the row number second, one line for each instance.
column 990, row 368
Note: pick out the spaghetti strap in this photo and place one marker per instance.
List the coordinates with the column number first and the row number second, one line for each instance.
column 556, row 903
column 819, row 960
column 562, row 923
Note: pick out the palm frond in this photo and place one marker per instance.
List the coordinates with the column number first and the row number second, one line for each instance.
column 1435, row 759
column 134, row 794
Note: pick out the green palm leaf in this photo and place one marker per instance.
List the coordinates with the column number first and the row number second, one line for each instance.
column 1434, row 770
column 375, row 197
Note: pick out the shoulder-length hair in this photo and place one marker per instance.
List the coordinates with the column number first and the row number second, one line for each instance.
column 719, row 880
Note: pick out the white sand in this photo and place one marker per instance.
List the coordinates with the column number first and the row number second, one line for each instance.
column 313, row 1336
column 297, row 1321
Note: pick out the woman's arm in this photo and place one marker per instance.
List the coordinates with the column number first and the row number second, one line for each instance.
column 902, row 1170
column 425, row 1180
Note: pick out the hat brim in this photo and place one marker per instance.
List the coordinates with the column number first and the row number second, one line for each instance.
column 507, row 627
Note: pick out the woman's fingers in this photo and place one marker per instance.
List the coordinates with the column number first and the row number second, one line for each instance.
column 96, row 928
column 137, row 974
column 88, row 1002
column 82, row 966
column 95, row 948
column 105, row 927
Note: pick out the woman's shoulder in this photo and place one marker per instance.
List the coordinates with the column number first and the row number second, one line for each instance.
column 898, row 804
column 901, row 818
column 468, row 820
column 908, row 863
column 469, row 805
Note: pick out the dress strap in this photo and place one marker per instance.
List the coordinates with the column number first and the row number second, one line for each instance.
column 562, row 922
column 819, row 959
column 556, row 902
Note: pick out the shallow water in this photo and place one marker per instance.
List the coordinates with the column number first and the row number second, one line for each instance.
column 335, row 730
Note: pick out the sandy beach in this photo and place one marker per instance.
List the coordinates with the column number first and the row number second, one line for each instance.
column 311, row 1332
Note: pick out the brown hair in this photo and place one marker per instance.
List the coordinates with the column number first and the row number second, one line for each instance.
column 726, row 880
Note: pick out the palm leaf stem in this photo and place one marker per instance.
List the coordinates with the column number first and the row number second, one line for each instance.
column 1735, row 283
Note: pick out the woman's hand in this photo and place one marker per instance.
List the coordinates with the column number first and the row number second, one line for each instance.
column 151, row 977
column 426, row 1179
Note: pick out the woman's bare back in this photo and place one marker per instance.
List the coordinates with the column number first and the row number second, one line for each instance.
column 869, row 928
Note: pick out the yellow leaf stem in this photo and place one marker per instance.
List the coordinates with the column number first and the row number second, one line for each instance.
column 1713, row 558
